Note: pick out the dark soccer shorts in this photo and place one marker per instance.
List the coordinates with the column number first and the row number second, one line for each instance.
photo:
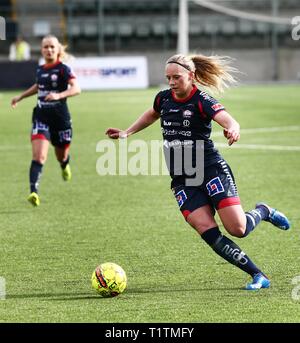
column 53, row 124
column 59, row 138
column 217, row 190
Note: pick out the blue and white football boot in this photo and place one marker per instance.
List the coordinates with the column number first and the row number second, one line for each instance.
column 275, row 217
column 259, row 281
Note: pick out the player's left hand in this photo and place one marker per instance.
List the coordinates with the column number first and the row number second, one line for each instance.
column 232, row 134
column 52, row 96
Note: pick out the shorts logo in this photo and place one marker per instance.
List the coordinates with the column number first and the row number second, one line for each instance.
column 214, row 186
column 38, row 127
column 181, row 197
column 65, row 135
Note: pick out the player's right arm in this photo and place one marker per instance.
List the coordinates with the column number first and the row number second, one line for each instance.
column 145, row 120
column 30, row 91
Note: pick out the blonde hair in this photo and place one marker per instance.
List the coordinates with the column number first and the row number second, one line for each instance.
column 212, row 72
column 62, row 54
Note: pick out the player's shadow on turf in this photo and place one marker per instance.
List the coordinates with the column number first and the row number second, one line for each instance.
column 131, row 291
column 54, row 296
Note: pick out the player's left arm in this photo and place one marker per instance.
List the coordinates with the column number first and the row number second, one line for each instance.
column 230, row 125
column 72, row 90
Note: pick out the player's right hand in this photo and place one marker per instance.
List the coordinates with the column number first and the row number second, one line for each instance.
column 14, row 101
column 115, row 133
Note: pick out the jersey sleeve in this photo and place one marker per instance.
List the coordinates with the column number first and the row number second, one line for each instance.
column 209, row 106
column 157, row 102
column 67, row 73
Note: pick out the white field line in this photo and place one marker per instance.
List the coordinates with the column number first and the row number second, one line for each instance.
column 263, row 130
column 220, row 145
column 259, row 147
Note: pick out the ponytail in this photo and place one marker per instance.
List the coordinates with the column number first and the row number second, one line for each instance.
column 212, row 72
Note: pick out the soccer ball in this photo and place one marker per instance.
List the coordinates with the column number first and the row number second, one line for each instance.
column 109, row 279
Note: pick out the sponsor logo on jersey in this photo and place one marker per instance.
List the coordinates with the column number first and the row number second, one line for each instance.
column 177, row 143
column 54, row 77
column 187, row 114
column 217, row 107
column 45, row 75
column 174, row 110
column 171, row 123
column 186, row 123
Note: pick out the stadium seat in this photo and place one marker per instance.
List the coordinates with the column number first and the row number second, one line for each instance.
column 246, row 27
column 228, row 27
column 73, row 29
column 142, row 29
column 195, row 27
column 159, row 28
column 109, row 29
column 262, row 27
column 125, row 29
column 90, row 28
column 211, row 27
column 41, row 28
column 173, row 27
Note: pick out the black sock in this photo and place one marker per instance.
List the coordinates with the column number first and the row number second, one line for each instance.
column 64, row 163
column 230, row 251
column 35, row 173
column 254, row 217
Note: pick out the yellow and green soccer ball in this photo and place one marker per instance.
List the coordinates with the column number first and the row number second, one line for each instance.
column 109, row 279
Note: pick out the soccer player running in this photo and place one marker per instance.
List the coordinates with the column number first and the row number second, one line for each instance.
column 185, row 114
column 51, row 120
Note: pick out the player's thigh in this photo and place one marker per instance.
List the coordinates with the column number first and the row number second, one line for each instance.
column 234, row 220
column 195, row 206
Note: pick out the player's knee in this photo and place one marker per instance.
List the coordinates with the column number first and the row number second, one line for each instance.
column 200, row 225
column 40, row 158
column 236, row 230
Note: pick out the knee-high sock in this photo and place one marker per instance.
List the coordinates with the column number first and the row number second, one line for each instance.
column 35, row 173
column 254, row 217
column 64, row 163
column 230, row 251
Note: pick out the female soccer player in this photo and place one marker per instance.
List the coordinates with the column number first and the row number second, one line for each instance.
column 51, row 120
column 185, row 114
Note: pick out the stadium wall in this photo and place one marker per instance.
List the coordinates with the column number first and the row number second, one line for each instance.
column 254, row 65
column 16, row 75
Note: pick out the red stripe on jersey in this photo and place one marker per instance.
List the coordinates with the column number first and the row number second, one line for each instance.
column 185, row 213
column 200, row 106
column 228, row 202
column 157, row 101
column 38, row 136
column 193, row 91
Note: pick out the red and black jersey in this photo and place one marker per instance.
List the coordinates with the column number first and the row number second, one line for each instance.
column 52, row 78
column 185, row 121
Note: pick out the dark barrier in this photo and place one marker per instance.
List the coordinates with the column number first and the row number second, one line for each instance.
column 15, row 75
